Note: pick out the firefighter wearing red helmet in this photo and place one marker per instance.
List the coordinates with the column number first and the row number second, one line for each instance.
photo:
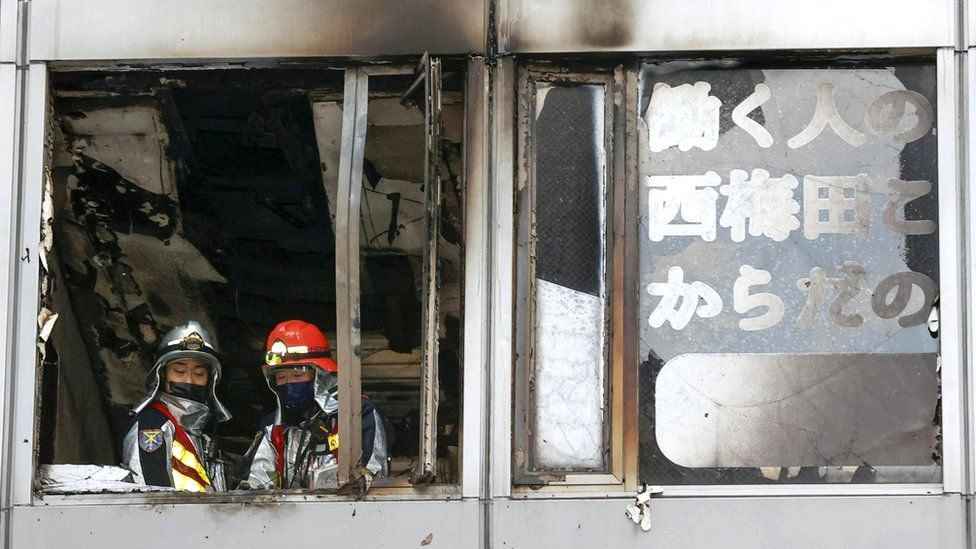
column 298, row 446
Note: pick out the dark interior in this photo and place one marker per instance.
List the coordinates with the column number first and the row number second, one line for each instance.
column 202, row 194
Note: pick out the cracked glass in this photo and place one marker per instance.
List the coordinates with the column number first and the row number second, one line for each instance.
column 562, row 256
column 788, row 267
column 570, row 294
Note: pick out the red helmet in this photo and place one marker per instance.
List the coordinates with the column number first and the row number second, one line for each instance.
column 296, row 342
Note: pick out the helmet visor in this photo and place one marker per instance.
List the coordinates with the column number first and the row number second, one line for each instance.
column 290, row 373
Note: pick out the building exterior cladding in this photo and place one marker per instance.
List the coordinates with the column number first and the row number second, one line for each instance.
column 500, row 500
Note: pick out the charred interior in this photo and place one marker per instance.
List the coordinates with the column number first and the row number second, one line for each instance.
column 210, row 195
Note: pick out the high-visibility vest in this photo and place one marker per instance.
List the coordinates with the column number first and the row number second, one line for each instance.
column 188, row 471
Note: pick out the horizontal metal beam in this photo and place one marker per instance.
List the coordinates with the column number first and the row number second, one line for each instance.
column 671, row 25
column 188, row 29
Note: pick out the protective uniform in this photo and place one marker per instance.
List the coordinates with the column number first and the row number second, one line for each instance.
column 299, row 446
column 166, row 444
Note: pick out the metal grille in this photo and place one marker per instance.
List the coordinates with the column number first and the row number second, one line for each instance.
column 568, row 190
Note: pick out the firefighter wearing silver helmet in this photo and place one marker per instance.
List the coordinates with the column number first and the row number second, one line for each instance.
column 166, row 444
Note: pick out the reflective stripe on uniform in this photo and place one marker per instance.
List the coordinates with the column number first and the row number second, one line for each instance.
column 185, row 461
column 189, row 459
column 188, row 483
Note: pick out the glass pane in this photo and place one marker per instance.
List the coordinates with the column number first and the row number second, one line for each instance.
column 789, row 266
column 570, row 291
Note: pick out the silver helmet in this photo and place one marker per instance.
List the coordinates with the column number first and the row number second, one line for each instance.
column 187, row 341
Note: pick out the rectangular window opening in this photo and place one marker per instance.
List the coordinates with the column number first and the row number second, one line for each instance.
column 210, row 195
column 777, row 234
column 563, row 277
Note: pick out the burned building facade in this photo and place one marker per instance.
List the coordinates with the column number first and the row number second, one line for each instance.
column 628, row 273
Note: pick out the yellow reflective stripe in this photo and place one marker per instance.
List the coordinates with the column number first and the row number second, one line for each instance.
column 187, row 458
column 183, row 482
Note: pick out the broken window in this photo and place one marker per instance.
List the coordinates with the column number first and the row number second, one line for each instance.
column 563, row 406
column 211, row 195
column 788, row 264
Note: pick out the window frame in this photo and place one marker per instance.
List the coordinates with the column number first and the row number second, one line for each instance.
column 32, row 173
column 952, row 352
column 615, row 332
column 427, row 79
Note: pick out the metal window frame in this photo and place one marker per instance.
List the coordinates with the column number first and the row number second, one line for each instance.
column 348, row 317
column 953, row 272
column 498, row 349
column 428, row 74
column 429, row 71
column 476, row 342
column 502, row 301
column 26, row 196
column 348, row 337
column 955, row 380
column 967, row 152
column 18, row 397
column 355, row 112
column 529, row 79
column 10, row 80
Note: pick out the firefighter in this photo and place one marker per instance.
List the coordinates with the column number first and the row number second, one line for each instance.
column 298, row 444
column 166, row 444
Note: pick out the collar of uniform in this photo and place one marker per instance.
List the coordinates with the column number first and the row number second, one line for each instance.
column 192, row 415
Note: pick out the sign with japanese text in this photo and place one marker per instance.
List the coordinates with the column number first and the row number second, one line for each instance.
column 785, row 212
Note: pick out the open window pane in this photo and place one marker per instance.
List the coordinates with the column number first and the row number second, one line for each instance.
column 789, row 266
column 392, row 235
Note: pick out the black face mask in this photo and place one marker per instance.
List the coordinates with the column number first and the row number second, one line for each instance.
column 190, row 391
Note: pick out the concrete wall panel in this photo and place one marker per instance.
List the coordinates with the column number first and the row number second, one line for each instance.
column 769, row 522
column 375, row 524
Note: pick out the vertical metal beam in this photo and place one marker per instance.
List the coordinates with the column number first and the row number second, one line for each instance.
column 630, row 371
column 502, row 275
column 958, row 22
column 476, row 260
column 951, row 273
column 33, row 171
column 523, row 303
column 969, row 25
column 20, row 253
column 429, row 386
column 14, row 93
column 9, row 129
column 348, row 340
column 617, row 222
column 967, row 123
